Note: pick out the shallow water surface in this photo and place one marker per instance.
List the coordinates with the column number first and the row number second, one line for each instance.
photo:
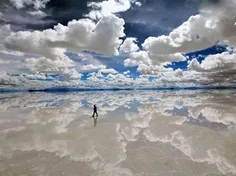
column 143, row 133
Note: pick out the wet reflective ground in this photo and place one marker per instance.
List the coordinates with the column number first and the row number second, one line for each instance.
column 143, row 133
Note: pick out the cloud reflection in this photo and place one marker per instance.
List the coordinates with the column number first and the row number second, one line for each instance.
column 143, row 132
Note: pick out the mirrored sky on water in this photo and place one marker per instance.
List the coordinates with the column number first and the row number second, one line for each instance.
column 137, row 133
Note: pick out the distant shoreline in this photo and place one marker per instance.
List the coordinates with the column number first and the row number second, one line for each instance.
column 64, row 89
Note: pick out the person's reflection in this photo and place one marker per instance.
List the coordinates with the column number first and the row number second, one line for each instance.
column 95, row 119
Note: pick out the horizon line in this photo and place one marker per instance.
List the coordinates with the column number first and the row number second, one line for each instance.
column 69, row 89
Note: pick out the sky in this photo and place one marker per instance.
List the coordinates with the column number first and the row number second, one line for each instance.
column 117, row 43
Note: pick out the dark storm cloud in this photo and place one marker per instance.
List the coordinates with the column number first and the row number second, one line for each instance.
column 157, row 17
column 160, row 17
column 58, row 11
column 63, row 11
column 20, row 18
column 152, row 18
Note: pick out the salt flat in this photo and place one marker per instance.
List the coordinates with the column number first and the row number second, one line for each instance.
column 139, row 133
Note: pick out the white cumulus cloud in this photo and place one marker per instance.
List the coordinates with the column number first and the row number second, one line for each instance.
column 80, row 35
column 52, row 44
column 129, row 45
column 213, row 24
column 108, row 7
column 218, row 68
column 151, row 65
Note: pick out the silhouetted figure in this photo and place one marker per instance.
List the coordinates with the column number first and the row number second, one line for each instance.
column 95, row 110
